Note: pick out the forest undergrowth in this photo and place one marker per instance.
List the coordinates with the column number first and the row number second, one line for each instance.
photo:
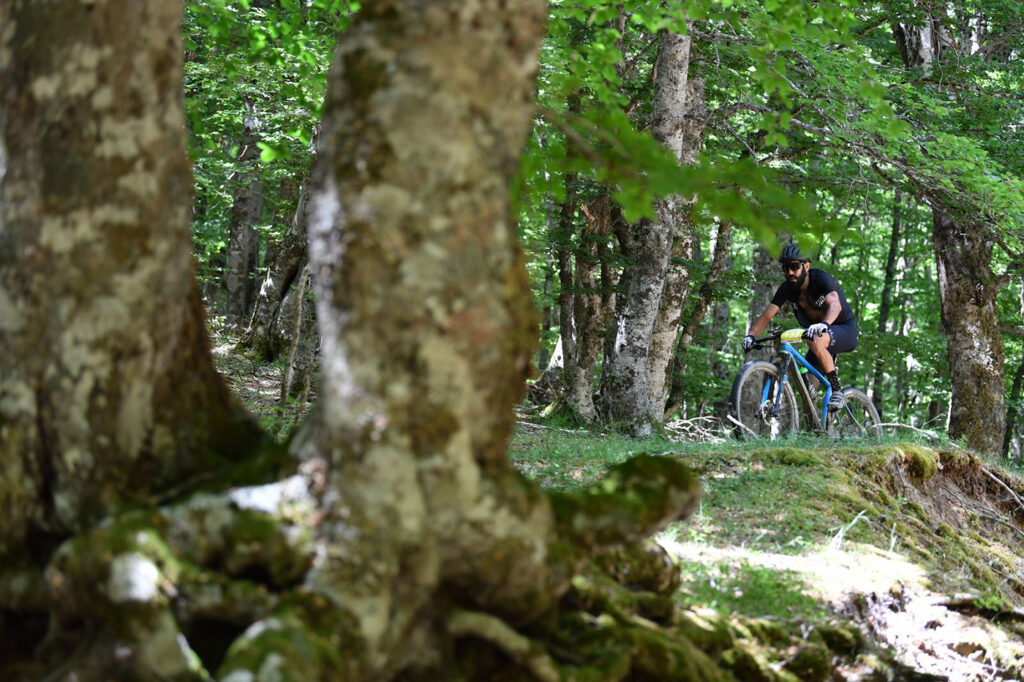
column 880, row 560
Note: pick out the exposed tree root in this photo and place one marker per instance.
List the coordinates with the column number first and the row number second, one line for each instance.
column 214, row 587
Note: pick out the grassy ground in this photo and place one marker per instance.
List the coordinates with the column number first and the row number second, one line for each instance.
column 882, row 532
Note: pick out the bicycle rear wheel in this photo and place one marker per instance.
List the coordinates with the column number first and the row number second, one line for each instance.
column 857, row 419
column 753, row 402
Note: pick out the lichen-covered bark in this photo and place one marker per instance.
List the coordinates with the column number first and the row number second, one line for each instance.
column 243, row 250
column 285, row 261
column 107, row 390
column 970, row 321
column 666, row 337
column 635, row 381
column 426, row 322
column 593, row 303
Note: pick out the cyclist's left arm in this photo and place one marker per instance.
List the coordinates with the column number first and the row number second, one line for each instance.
column 833, row 308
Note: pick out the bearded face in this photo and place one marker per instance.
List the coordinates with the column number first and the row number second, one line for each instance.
column 796, row 272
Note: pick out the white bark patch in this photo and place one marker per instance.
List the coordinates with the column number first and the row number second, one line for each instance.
column 133, row 578
column 16, row 399
column 275, row 498
column 11, row 319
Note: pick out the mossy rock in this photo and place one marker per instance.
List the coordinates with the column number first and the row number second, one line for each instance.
column 705, row 628
column 922, row 463
column 841, row 638
column 748, row 666
column 812, row 663
column 767, row 631
column 797, row 457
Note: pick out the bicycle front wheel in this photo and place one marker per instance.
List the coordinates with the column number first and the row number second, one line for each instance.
column 753, row 402
column 857, row 419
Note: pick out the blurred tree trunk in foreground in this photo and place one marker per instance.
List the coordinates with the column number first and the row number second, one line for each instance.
column 108, row 394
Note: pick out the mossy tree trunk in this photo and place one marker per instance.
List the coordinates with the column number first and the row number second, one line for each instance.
column 422, row 300
column 406, row 546
column 271, row 324
column 967, row 285
column 970, row 321
column 108, row 393
column 634, row 386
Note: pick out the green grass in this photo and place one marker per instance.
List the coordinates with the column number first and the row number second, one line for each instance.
column 568, row 459
column 736, row 586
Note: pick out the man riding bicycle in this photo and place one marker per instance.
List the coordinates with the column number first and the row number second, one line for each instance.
column 821, row 307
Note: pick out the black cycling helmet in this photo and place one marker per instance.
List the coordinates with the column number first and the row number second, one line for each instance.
column 790, row 253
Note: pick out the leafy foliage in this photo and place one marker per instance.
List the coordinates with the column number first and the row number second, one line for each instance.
column 815, row 127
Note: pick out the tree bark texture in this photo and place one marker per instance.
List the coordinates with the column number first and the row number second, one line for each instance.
column 1016, row 391
column 667, row 326
column 970, row 321
column 285, row 262
column 593, row 303
column 243, row 239
column 422, row 299
column 107, row 388
column 634, row 387
column 304, row 342
column 966, row 285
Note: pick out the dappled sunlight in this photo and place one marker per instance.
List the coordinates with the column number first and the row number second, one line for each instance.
column 888, row 595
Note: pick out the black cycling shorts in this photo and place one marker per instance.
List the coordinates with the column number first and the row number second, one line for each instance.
column 843, row 340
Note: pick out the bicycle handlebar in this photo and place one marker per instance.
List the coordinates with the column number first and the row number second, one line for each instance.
column 774, row 336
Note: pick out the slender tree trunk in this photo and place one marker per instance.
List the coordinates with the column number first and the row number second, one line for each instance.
column 719, row 259
column 970, row 321
column 886, row 297
column 765, row 272
column 243, row 240
column 1016, row 391
column 285, row 262
column 107, row 389
column 305, row 341
column 593, row 306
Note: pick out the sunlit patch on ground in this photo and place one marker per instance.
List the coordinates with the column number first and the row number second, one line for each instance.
column 883, row 591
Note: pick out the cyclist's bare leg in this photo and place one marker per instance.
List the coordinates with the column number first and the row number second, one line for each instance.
column 819, row 346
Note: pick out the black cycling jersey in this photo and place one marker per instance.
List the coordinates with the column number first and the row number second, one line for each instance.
column 819, row 284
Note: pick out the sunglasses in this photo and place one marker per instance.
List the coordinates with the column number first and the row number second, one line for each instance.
column 792, row 266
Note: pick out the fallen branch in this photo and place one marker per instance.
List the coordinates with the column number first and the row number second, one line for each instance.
column 737, row 422
column 930, row 434
column 1004, row 486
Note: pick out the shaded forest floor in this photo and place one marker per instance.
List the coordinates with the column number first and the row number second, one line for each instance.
column 920, row 545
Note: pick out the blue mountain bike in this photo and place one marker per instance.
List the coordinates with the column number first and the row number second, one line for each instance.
column 765, row 406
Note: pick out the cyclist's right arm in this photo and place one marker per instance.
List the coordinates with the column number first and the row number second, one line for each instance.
column 760, row 323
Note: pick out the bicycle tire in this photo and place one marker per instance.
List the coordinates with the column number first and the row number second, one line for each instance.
column 857, row 419
column 749, row 408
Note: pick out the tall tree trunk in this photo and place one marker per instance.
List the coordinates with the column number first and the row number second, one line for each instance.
column 970, row 321
column 107, row 389
column 1016, row 391
column 285, row 262
column 967, row 287
column 243, row 241
column 304, row 342
column 428, row 332
column 765, row 272
column 635, row 381
column 592, row 309
column 886, row 297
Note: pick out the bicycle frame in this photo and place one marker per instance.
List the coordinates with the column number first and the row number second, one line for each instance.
column 792, row 354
